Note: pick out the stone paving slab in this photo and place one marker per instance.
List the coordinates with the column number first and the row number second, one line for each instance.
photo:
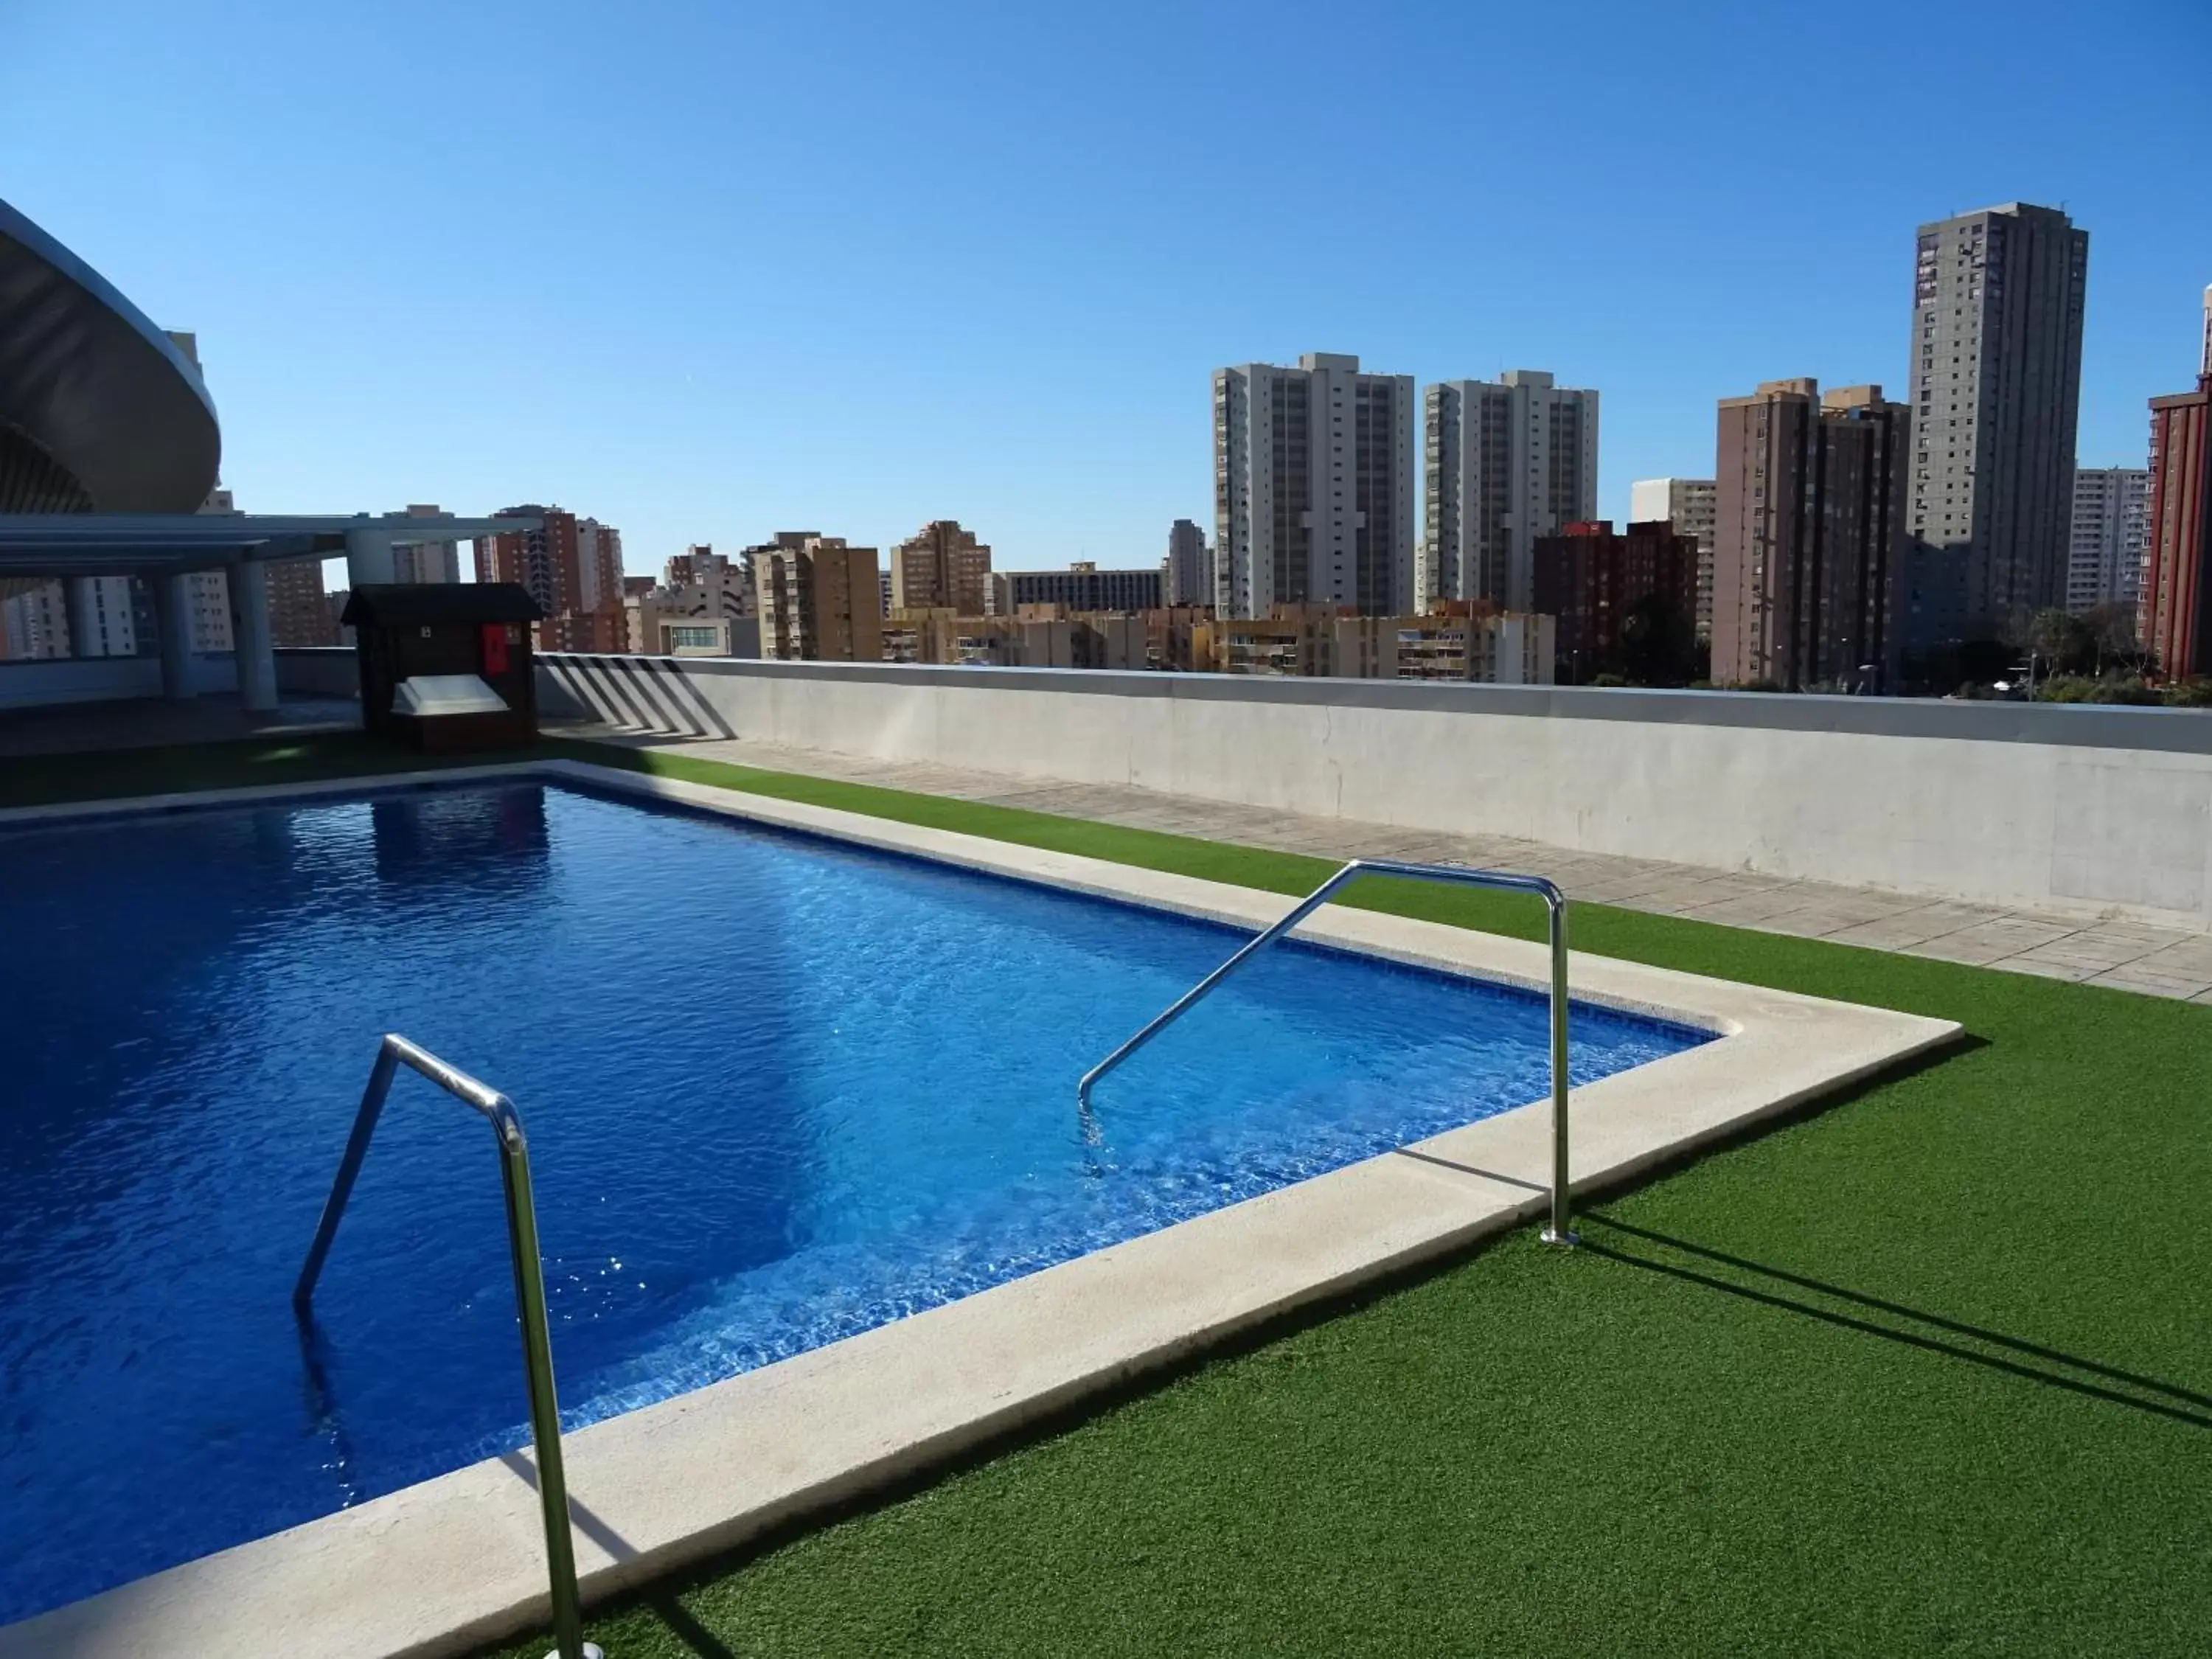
column 2124, row 955
column 2134, row 977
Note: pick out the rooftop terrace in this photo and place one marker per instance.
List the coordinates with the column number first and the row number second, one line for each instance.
column 1917, row 1369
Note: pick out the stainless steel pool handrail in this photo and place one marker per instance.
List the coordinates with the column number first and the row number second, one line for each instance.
column 1555, row 903
column 529, row 1296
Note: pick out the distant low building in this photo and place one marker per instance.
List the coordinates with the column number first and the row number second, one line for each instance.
column 703, row 594
column 1623, row 601
column 1041, row 636
column 1082, row 586
column 1178, row 639
column 1454, row 643
column 1297, row 640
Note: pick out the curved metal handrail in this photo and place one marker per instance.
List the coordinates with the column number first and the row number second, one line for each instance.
column 1555, row 904
column 529, row 1297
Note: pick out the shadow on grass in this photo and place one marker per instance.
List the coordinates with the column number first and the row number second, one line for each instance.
column 694, row 1636
column 1770, row 1287
column 661, row 1601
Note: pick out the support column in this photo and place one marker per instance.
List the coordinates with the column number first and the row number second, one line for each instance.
column 368, row 558
column 250, row 642
column 173, row 628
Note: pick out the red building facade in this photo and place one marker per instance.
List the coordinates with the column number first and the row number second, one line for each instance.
column 1626, row 604
column 2175, row 615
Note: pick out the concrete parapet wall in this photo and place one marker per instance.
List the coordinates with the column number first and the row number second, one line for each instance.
column 2082, row 809
column 37, row 682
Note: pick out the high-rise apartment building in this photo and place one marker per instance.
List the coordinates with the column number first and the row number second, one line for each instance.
column 35, row 619
column 2175, row 617
column 298, row 609
column 1189, row 568
column 1081, row 587
column 102, row 617
column 941, row 567
column 2109, row 537
column 1507, row 462
column 1809, row 536
column 1690, row 505
column 1313, row 480
column 1623, row 603
column 571, row 567
column 819, row 599
column 1996, row 383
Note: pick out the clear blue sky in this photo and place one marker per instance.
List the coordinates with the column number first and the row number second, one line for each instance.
column 710, row 269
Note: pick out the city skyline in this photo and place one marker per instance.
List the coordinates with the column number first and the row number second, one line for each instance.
column 706, row 368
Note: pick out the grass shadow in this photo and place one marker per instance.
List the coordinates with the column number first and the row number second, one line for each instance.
column 1788, row 1292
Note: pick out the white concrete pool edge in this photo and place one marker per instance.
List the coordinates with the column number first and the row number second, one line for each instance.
column 440, row 1567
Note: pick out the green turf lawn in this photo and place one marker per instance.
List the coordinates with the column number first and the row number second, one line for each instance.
column 1928, row 1371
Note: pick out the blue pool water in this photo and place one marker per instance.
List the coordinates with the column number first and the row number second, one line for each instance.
column 778, row 1091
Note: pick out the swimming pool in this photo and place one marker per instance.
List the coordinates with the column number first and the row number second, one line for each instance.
column 780, row 1089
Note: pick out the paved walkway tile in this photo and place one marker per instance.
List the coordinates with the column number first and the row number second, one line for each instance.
column 2128, row 956
column 2134, row 976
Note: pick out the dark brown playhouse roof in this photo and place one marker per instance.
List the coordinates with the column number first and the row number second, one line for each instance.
column 412, row 604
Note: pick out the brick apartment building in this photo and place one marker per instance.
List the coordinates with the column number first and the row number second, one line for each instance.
column 573, row 568
column 1625, row 602
column 2175, row 619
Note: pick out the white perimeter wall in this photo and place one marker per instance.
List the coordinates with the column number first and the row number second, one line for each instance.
column 2086, row 810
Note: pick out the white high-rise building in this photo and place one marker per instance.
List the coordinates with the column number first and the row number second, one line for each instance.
column 1692, row 507
column 101, row 619
column 209, row 590
column 2111, row 535
column 35, row 621
column 1313, row 479
column 1507, row 462
column 1189, row 565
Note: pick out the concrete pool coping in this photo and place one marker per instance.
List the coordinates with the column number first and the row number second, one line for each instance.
column 457, row 1561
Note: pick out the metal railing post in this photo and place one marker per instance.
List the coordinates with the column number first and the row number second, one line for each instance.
column 1558, row 1232
column 529, row 1297
column 1555, row 903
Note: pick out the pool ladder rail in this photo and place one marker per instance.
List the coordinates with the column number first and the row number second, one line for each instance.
column 529, row 1296
column 1555, row 903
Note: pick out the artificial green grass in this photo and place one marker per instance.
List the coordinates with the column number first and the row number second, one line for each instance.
column 114, row 774
column 1928, row 1371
